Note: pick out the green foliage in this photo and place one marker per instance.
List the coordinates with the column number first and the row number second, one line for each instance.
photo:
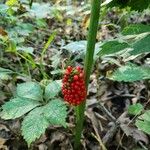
column 38, row 120
column 135, row 29
column 130, row 73
column 79, row 48
column 112, row 47
column 141, row 46
column 11, row 2
column 135, row 109
column 4, row 73
column 143, row 122
column 34, row 125
column 26, row 49
column 40, row 114
column 40, row 10
column 30, row 90
column 135, row 41
column 52, row 89
column 55, row 111
column 17, row 107
column 133, row 4
column 76, row 47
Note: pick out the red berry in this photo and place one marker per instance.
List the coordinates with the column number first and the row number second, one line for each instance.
column 78, row 68
column 81, row 75
column 75, row 77
column 73, row 89
column 69, row 68
column 67, row 72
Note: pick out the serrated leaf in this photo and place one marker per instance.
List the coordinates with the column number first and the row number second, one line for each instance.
column 55, row 112
column 135, row 109
column 17, row 107
column 52, row 89
column 130, row 73
column 30, row 90
column 112, row 47
column 141, row 46
column 136, row 29
column 143, row 122
column 34, row 125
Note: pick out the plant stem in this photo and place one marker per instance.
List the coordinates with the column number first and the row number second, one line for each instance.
column 94, row 20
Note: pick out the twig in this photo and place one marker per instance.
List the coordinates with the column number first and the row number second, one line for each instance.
column 108, row 114
column 109, row 135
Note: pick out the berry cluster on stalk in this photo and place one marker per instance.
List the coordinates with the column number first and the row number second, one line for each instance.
column 74, row 89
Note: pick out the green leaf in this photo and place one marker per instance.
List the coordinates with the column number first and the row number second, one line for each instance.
column 130, row 73
column 143, row 125
column 76, row 47
column 141, row 46
column 133, row 4
column 112, row 47
column 55, row 112
column 57, row 71
column 143, row 122
column 135, row 109
column 26, row 49
column 146, row 72
column 17, row 107
column 33, row 125
column 11, row 2
column 30, row 90
column 38, row 120
column 145, row 116
column 4, row 73
column 136, row 29
column 23, row 29
column 40, row 10
column 52, row 89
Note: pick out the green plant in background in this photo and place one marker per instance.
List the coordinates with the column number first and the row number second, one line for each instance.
column 131, row 43
column 39, row 107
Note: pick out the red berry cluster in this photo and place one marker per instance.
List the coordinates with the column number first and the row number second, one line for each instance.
column 74, row 89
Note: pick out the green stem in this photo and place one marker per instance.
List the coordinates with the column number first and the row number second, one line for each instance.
column 94, row 20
